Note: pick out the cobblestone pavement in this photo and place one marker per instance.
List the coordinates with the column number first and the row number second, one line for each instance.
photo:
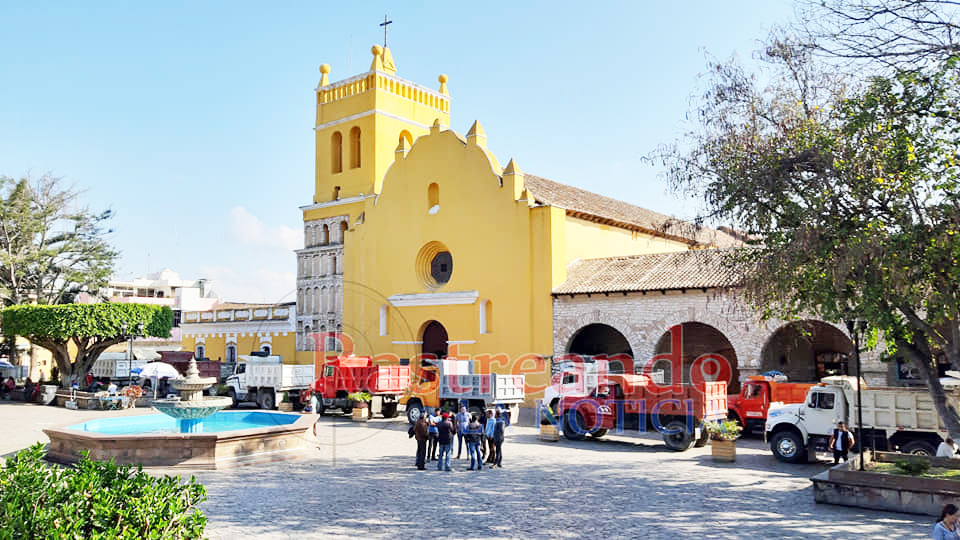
column 359, row 481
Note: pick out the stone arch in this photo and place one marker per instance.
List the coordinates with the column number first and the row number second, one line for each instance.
column 336, row 152
column 564, row 333
column 808, row 350
column 598, row 339
column 706, row 353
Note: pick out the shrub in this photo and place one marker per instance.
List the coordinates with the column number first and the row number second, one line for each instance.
column 913, row 468
column 94, row 500
column 727, row 430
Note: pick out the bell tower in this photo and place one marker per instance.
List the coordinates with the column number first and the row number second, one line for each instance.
column 362, row 120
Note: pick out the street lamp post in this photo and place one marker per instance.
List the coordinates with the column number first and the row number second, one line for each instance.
column 123, row 332
column 856, row 327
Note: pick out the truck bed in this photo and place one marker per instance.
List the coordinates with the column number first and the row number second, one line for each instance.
column 490, row 388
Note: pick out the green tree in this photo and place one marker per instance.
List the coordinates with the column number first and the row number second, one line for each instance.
column 50, row 245
column 852, row 191
column 87, row 328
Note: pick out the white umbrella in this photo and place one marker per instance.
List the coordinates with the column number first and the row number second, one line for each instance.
column 159, row 370
column 5, row 365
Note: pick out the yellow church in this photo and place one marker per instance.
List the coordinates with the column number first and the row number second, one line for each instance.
column 418, row 241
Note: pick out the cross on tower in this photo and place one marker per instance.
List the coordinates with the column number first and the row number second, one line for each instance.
column 384, row 25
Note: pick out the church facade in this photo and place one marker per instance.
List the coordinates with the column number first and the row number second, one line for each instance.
column 419, row 242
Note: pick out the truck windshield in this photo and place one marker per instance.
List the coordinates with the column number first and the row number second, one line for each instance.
column 821, row 400
column 569, row 378
column 754, row 391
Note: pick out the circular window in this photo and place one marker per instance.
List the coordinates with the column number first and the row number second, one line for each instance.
column 441, row 267
column 434, row 265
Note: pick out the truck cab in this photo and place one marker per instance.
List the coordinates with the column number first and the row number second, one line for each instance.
column 797, row 430
column 576, row 376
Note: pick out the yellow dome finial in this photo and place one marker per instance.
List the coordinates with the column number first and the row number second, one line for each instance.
column 443, row 83
column 324, row 71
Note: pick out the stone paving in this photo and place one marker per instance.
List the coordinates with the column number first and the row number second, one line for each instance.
column 358, row 481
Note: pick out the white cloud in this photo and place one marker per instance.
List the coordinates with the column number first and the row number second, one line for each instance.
column 251, row 284
column 249, row 230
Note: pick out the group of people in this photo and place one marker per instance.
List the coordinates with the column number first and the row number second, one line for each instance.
column 31, row 390
column 483, row 436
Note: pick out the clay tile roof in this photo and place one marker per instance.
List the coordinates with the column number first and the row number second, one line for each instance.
column 693, row 269
column 585, row 204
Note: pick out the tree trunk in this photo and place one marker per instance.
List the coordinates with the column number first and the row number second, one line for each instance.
column 924, row 360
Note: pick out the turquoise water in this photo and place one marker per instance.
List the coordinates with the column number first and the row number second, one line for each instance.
column 161, row 423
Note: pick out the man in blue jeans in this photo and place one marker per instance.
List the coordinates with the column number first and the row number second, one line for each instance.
column 445, row 442
column 474, row 436
column 463, row 418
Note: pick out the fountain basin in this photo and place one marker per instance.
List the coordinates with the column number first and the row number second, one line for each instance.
column 191, row 410
column 223, row 440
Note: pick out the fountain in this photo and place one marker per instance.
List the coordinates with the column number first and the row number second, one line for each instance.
column 192, row 406
column 192, row 432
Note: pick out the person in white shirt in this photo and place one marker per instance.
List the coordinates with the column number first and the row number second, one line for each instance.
column 840, row 442
column 948, row 449
column 112, row 389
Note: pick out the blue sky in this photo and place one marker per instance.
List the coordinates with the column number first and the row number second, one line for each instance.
column 192, row 120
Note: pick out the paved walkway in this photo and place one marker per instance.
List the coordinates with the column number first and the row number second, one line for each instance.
column 359, row 481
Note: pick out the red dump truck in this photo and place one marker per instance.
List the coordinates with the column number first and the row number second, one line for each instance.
column 758, row 392
column 342, row 376
column 181, row 359
column 634, row 403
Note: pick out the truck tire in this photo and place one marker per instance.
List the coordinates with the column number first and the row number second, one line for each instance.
column 574, row 432
column 919, row 448
column 596, row 434
column 414, row 411
column 787, row 446
column 233, row 395
column 475, row 410
column 680, row 440
column 267, row 400
column 389, row 410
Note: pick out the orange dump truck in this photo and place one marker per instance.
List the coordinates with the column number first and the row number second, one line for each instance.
column 756, row 394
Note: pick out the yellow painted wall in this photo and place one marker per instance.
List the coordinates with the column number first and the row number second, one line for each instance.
column 589, row 240
column 216, row 347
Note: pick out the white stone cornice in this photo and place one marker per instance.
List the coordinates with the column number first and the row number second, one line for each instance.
column 434, row 299
column 338, row 202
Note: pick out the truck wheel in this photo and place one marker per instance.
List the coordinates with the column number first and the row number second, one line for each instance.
column 414, row 411
column 233, row 395
column 787, row 446
column 919, row 448
column 475, row 410
column 267, row 401
column 596, row 434
column 574, row 432
column 389, row 410
column 679, row 440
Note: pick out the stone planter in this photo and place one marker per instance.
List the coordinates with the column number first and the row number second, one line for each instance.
column 361, row 415
column 846, row 485
column 549, row 432
column 724, row 451
column 48, row 394
column 285, row 406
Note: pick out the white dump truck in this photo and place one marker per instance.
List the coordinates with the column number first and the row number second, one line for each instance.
column 116, row 366
column 264, row 379
column 894, row 418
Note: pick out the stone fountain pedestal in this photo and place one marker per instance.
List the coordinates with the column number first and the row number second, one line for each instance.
column 192, row 406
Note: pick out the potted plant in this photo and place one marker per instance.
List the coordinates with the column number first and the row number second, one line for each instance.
column 361, row 405
column 723, row 439
column 285, row 404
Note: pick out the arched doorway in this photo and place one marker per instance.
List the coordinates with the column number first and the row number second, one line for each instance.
column 807, row 351
column 704, row 353
column 434, row 340
column 603, row 340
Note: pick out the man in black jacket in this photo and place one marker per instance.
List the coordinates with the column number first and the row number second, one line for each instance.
column 445, row 434
column 840, row 442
